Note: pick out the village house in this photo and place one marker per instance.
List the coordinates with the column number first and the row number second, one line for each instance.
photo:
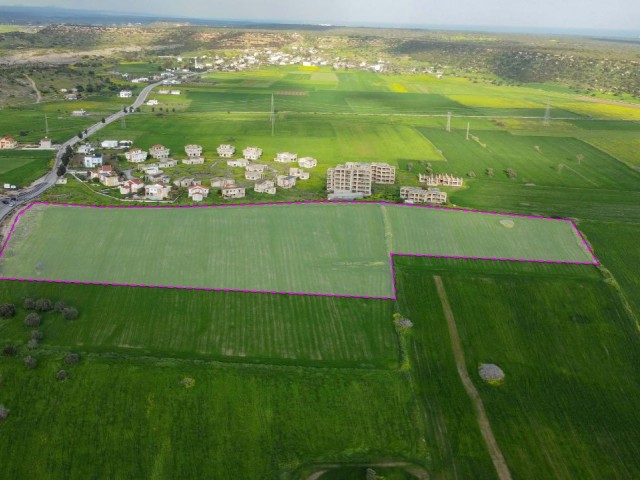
column 351, row 180
column 7, row 143
column 265, row 186
column 125, row 143
column 129, row 187
column 440, row 180
column 286, row 181
column 226, row 151
column 61, row 181
column 193, row 150
column 307, row 162
column 151, row 169
column 419, row 195
column 175, row 92
column 46, row 143
column 197, row 193
column 79, row 113
column 143, row 167
column 193, row 161
column 159, row 152
column 232, row 191
column 157, row 191
column 93, row 161
column 71, row 96
column 85, row 148
column 221, row 182
column 383, row 173
column 252, row 175
column 160, row 177
column 163, row 92
column 106, row 176
column 136, row 155
column 109, row 144
column 168, row 164
column 184, row 182
column 299, row 173
column 252, row 153
column 238, row 162
column 126, row 94
column 152, row 102
column 286, row 157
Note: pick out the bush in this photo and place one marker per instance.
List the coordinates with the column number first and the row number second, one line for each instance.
column 72, row 359
column 4, row 413
column 32, row 320
column 7, row 310
column 29, row 304
column 32, row 344
column 70, row 313
column 44, row 305
column 60, row 306
column 30, row 362
column 9, row 350
column 36, row 335
column 62, row 375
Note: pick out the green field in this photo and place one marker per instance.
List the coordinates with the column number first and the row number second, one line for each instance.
column 302, row 248
column 21, row 167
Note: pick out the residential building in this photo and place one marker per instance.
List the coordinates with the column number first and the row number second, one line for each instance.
column 7, row 143
column 152, row 102
column 232, row 191
column 286, row 157
column 383, row 173
column 252, row 175
column 286, row 181
column 220, row 182
column 136, row 155
column 151, row 169
column 440, row 180
column 157, row 191
column 193, row 161
column 125, row 143
column 79, row 113
column 168, row 164
column 160, row 177
column 70, row 96
column 46, row 143
column 144, row 167
column 197, row 193
column 175, row 92
column 265, row 186
column 93, row 161
column 307, row 162
column 131, row 186
column 109, row 144
column 159, row 152
column 226, row 151
column 85, row 148
column 106, row 176
column 126, row 94
column 252, row 153
column 419, row 195
column 299, row 173
column 193, row 150
column 61, row 181
column 184, row 182
column 238, row 162
column 350, row 178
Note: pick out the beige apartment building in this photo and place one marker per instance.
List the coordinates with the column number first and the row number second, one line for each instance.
column 419, row 195
column 440, row 180
column 354, row 177
column 383, row 173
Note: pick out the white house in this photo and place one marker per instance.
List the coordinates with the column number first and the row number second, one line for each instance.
column 7, row 143
column 131, row 186
column 93, row 161
column 286, row 181
column 286, row 157
column 252, row 153
column 252, row 175
column 109, row 144
column 106, row 175
column 197, row 193
column 307, row 162
column 299, row 173
column 175, row 92
column 221, row 182
column 226, row 151
column 168, row 164
column 159, row 152
column 126, row 94
column 152, row 170
column 152, row 102
column 193, row 150
column 418, row 195
column 136, row 155
column 157, row 191
column 125, row 143
column 85, row 148
column 184, row 182
column 193, row 161
column 79, row 113
column 238, row 162
column 46, row 143
column 163, row 92
column 232, row 191
column 265, row 186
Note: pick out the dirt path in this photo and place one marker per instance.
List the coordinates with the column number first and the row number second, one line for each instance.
column 35, row 88
column 481, row 415
column 605, row 101
column 415, row 470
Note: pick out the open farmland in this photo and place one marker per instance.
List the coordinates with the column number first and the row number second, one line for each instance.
column 23, row 166
column 298, row 248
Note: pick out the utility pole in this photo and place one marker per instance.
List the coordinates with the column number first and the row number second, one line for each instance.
column 273, row 116
column 46, row 125
column 468, row 125
column 123, row 121
column 448, row 121
column 547, row 114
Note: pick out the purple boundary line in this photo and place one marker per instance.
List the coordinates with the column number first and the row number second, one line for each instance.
column 309, row 294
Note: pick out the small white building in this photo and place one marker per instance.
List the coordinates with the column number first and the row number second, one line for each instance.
column 175, row 92
column 307, row 162
column 168, row 164
column 85, row 148
column 221, row 182
column 109, row 144
column 238, row 162
column 131, row 186
column 265, row 186
column 45, row 143
column 152, row 102
column 79, row 113
column 157, row 191
column 61, row 181
column 197, row 193
column 232, row 191
column 7, row 143
column 418, row 195
column 226, row 151
column 299, row 173
column 126, row 94
column 185, row 182
column 252, row 175
column 193, row 150
column 152, row 170
column 286, row 181
column 93, row 161
column 193, row 161
column 136, row 155
column 252, row 153
column 286, row 157
column 159, row 152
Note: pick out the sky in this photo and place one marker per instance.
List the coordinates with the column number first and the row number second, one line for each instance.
column 569, row 14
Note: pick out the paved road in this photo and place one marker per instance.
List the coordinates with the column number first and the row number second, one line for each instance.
column 49, row 180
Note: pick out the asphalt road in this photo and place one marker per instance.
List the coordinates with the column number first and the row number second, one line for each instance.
column 49, row 180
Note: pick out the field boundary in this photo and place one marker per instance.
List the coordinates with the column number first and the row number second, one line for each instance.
column 579, row 234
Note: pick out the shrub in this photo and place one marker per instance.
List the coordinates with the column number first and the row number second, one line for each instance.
column 32, row 320
column 44, row 305
column 72, row 359
column 4, row 413
column 7, row 310
column 29, row 303
column 36, row 335
column 9, row 350
column 62, row 375
column 32, row 344
column 60, row 306
column 70, row 313
column 30, row 362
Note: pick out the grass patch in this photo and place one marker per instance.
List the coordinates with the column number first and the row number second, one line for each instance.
column 21, row 167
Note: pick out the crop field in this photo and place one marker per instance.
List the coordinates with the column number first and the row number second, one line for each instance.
column 21, row 167
column 568, row 406
column 302, row 248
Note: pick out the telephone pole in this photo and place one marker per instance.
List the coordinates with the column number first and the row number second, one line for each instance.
column 468, row 125
column 547, row 114
column 273, row 116
column 448, row 121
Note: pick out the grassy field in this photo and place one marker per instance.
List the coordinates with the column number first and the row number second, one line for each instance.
column 321, row 257
column 567, row 408
column 21, row 167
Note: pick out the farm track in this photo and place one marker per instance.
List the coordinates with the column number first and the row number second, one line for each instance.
column 35, row 88
column 481, row 415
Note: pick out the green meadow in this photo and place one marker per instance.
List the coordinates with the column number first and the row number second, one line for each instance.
column 21, row 167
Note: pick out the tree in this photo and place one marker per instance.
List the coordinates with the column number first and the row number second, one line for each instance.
column 32, row 320
column 32, row 344
column 4, row 413
column 560, row 167
column 72, row 359
column 410, row 167
column 80, row 135
column 62, row 375
column 60, row 306
column 70, row 313
column 61, row 170
column 37, row 334
column 29, row 304
column 371, row 474
column 30, row 362
column 579, row 157
column 471, row 174
column 7, row 310
column 124, row 109
column 511, row 173
column 103, row 120
column 44, row 305
column 9, row 350
column 490, row 172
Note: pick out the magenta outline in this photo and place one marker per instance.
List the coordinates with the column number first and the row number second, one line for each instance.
column 308, row 202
